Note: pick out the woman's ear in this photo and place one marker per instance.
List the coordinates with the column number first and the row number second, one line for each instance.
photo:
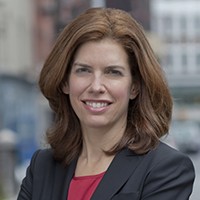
column 65, row 88
column 134, row 91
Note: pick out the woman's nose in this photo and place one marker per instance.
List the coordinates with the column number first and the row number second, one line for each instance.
column 97, row 84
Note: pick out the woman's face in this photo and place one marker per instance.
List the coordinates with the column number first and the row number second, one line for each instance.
column 100, row 84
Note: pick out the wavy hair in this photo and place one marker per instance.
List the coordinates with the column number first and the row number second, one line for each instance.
column 149, row 114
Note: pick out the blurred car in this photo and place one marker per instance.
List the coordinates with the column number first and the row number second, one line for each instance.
column 186, row 135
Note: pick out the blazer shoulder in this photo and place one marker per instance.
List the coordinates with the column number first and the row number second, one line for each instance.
column 44, row 154
column 43, row 158
column 167, row 169
column 164, row 148
column 166, row 154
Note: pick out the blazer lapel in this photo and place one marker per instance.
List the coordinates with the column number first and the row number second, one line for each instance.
column 69, row 175
column 63, row 176
column 122, row 166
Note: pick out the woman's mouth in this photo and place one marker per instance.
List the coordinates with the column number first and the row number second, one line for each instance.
column 96, row 104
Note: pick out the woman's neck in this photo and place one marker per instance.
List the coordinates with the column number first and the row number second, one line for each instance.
column 91, row 164
column 96, row 141
column 93, row 159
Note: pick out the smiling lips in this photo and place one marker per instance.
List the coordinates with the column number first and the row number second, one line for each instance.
column 95, row 104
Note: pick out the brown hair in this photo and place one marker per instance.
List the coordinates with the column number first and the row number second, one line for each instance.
column 149, row 113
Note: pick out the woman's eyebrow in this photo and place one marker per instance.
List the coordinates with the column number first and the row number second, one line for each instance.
column 108, row 67
column 115, row 67
column 81, row 64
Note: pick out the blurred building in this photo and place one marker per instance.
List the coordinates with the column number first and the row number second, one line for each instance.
column 68, row 10
column 21, row 108
column 140, row 10
column 177, row 24
column 43, row 28
column 15, row 36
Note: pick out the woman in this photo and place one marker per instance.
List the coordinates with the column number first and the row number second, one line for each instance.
column 112, row 104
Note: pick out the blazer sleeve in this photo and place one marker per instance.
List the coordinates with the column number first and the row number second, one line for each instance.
column 25, row 192
column 170, row 178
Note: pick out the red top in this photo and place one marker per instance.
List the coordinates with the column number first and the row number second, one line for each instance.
column 82, row 187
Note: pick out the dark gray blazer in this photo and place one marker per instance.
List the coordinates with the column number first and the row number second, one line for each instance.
column 161, row 174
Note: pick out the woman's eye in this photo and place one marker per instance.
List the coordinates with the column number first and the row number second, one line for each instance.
column 82, row 70
column 114, row 72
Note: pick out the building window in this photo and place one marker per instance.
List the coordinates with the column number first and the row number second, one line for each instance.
column 183, row 24
column 167, row 26
column 198, row 63
column 169, row 63
column 183, row 28
column 184, row 62
column 197, row 24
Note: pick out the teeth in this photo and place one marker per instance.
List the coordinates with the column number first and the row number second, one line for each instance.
column 96, row 104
